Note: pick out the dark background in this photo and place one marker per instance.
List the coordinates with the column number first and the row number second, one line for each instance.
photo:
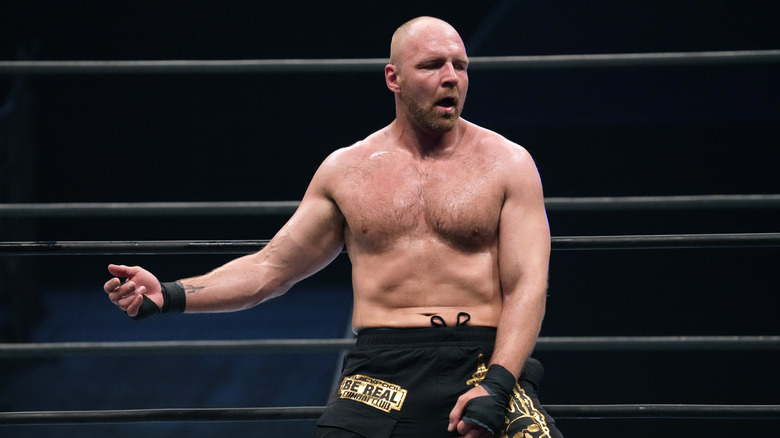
column 607, row 131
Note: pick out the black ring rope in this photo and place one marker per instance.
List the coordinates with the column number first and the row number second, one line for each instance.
column 130, row 209
column 632, row 411
column 160, row 247
column 666, row 241
column 131, row 247
column 558, row 343
column 171, row 347
column 662, row 202
column 113, row 209
column 375, row 64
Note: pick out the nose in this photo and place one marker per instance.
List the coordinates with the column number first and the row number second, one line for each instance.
column 449, row 76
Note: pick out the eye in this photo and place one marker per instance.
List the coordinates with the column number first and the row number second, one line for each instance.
column 432, row 65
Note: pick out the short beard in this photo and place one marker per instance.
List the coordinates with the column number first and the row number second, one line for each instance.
column 431, row 119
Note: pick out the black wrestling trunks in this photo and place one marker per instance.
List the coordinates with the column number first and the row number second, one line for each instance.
column 405, row 382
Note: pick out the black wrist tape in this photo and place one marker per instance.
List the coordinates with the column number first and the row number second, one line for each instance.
column 174, row 301
column 499, row 381
column 174, row 297
column 488, row 411
column 147, row 309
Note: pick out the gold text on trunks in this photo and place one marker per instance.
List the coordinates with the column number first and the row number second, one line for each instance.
column 373, row 392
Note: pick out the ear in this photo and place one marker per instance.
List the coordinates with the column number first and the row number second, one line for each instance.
column 391, row 78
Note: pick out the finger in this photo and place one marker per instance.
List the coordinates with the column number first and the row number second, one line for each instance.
column 122, row 270
column 452, row 426
column 132, row 309
column 112, row 284
column 477, row 432
column 455, row 415
column 122, row 291
column 125, row 302
column 468, row 429
column 470, row 434
column 128, row 299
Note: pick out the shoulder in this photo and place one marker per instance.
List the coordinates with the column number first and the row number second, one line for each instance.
column 347, row 159
column 515, row 172
column 356, row 153
column 512, row 165
column 504, row 152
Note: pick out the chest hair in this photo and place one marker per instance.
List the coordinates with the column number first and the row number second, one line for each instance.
column 456, row 201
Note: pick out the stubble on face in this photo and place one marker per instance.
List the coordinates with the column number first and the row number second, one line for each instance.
column 429, row 115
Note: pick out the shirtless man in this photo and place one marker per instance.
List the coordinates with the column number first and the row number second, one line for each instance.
column 445, row 227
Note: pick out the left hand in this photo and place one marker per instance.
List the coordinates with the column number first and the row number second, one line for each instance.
column 467, row 430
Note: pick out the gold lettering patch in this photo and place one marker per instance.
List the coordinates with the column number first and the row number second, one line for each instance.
column 373, row 392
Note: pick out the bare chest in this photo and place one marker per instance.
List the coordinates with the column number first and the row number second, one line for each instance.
column 455, row 202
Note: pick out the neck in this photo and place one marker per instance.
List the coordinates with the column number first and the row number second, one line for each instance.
column 426, row 143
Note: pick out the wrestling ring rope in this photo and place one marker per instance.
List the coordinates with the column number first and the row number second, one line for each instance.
column 247, row 246
column 376, row 64
column 558, row 343
column 633, row 411
column 62, row 248
column 125, row 209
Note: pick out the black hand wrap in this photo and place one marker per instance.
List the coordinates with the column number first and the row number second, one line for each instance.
column 489, row 411
column 174, row 301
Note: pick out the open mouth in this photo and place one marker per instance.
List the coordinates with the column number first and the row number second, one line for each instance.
column 447, row 102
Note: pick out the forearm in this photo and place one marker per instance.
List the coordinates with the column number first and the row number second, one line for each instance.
column 483, row 407
column 240, row 284
column 518, row 328
column 298, row 250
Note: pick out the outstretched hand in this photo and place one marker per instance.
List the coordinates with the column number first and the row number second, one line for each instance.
column 467, row 430
column 129, row 295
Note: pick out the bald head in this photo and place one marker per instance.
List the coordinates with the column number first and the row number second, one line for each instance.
column 427, row 74
column 414, row 31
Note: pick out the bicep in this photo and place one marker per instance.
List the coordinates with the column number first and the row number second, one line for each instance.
column 311, row 239
column 524, row 233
